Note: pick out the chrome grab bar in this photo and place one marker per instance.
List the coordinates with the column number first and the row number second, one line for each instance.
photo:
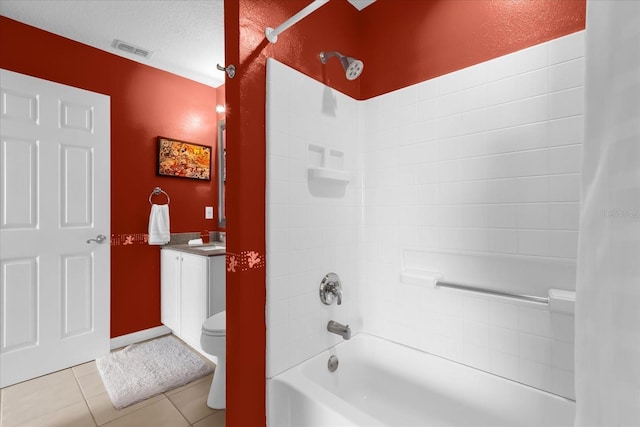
column 530, row 298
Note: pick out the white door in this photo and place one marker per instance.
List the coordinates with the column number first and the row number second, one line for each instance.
column 54, row 190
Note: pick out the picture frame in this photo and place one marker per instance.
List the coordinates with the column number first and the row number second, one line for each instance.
column 183, row 159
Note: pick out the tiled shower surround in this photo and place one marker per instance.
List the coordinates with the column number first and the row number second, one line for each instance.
column 313, row 226
column 484, row 161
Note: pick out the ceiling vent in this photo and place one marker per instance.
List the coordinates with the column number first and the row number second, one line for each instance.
column 129, row 48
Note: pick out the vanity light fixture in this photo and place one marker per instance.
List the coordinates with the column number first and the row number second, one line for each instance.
column 220, row 109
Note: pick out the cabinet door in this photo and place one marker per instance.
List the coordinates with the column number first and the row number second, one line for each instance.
column 217, row 285
column 194, row 297
column 170, row 297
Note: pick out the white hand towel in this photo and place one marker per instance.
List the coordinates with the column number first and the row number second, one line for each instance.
column 159, row 225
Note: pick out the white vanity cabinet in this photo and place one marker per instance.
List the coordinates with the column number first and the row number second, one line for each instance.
column 192, row 289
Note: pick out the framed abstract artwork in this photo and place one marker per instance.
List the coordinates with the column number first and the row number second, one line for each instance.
column 183, row 159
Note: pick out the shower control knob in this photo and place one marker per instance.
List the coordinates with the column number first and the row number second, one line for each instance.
column 331, row 289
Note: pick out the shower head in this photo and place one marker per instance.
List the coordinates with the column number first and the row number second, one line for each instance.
column 352, row 67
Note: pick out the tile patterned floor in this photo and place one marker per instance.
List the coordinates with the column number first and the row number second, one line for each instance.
column 76, row 397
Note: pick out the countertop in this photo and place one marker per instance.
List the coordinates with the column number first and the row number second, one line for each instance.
column 193, row 249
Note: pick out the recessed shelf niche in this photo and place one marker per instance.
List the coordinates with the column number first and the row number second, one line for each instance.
column 326, row 164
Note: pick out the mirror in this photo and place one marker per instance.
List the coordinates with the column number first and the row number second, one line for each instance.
column 222, row 173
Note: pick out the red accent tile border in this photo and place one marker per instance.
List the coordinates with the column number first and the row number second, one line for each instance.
column 244, row 261
column 129, row 239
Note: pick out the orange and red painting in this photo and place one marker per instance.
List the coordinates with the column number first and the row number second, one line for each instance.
column 183, row 159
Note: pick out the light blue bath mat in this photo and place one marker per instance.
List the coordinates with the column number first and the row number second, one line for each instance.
column 140, row 371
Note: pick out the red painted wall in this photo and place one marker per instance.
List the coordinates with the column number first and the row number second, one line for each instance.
column 401, row 43
column 410, row 41
column 145, row 103
column 333, row 27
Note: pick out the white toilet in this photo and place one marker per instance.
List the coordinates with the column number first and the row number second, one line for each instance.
column 213, row 341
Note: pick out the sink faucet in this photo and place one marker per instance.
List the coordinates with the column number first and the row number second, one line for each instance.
column 340, row 329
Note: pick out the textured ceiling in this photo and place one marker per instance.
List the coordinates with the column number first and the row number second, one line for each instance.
column 185, row 36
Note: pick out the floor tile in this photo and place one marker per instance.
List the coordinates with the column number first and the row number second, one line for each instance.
column 216, row 420
column 91, row 385
column 76, row 415
column 192, row 401
column 38, row 397
column 158, row 414
column 76, row 397
column 103, row 410
column 85, row 369
column 208, row 378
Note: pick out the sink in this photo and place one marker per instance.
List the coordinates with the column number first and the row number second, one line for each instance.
column 210, row 248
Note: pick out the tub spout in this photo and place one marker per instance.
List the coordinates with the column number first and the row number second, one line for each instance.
column 340, row 329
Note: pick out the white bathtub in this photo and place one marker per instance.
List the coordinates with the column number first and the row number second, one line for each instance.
column 380, row 383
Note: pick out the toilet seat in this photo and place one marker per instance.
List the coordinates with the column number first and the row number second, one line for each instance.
column 216, row 325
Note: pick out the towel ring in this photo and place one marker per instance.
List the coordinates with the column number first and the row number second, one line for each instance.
column 157, row 191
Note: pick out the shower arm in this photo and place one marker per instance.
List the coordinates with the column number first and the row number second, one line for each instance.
column 272, row 33
column 324, row 56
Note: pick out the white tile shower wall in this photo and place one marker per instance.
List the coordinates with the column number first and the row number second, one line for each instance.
column 482, row 160
column 313, row 226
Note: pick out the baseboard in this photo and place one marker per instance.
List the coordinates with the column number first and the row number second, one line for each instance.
column 147, row 334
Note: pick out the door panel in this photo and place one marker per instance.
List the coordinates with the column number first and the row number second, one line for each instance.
column 76, row 186
column 77, row 295
column 20, row 172
column 20, row 289
column 54, row 188
column 78, row 117
column 20, row 106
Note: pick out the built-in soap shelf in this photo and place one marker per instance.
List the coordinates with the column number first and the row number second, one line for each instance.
column 326, row 164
